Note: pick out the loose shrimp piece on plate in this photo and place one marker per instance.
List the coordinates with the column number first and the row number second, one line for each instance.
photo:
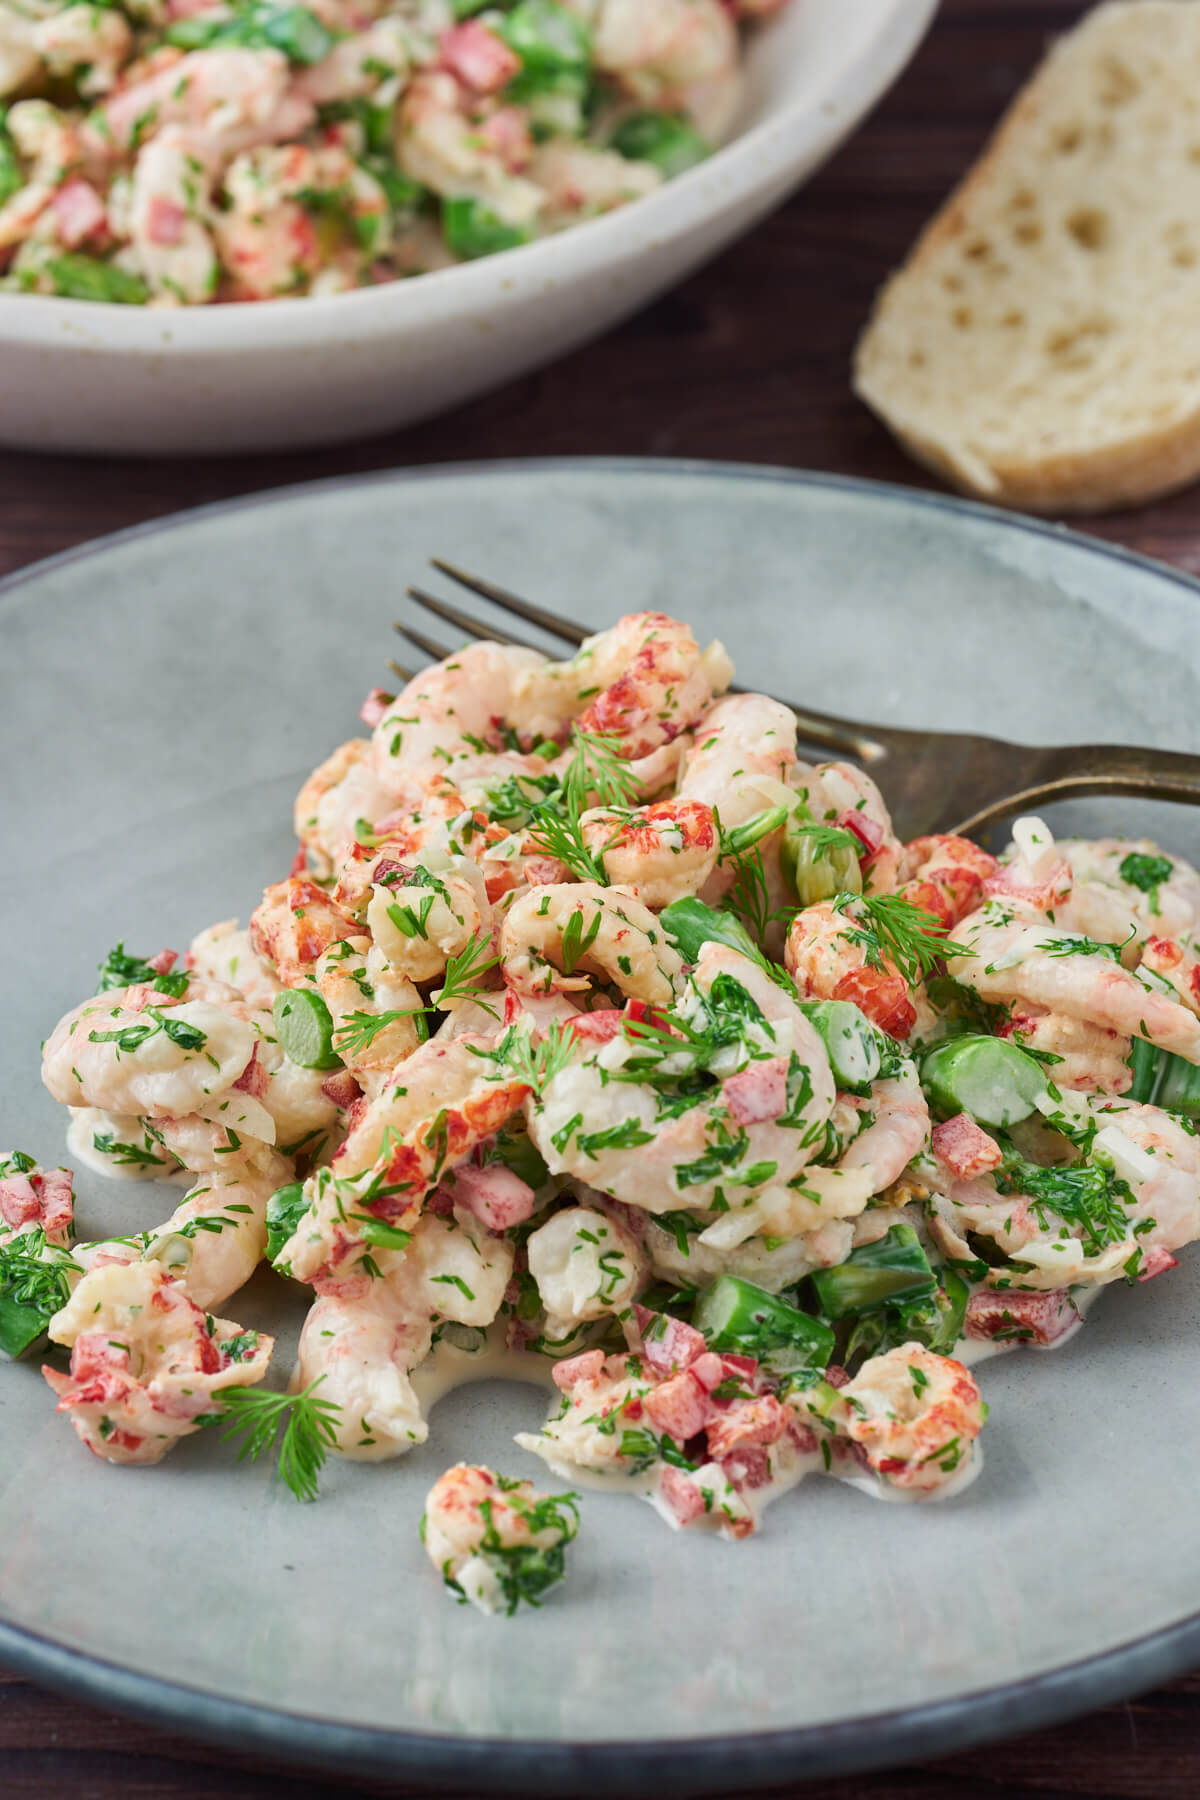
column 496, row 1542
column 1015, row 957
column 35, row 1199
column 916, row 1415
column 146, row 1362
column 555, row 939
column 366, row 1335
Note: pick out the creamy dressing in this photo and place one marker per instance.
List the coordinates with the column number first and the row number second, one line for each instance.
column 85, row 1122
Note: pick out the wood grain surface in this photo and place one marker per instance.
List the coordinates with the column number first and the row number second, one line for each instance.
column 747, row 362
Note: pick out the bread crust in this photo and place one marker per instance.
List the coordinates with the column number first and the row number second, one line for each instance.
column 1149, row 459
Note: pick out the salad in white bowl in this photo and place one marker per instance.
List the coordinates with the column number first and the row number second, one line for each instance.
column 168, row 154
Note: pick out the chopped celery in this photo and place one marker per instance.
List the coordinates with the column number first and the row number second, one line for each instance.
column 935, row 1320
column 78, row 277
column 691, row 924
column 851, row 1042
column 894, row 1267
column 819, row 862
column 665, row 139
column 10, row 168
column 735, row 1315
column 547, row 38
column 305, row 1027
column 473, row 230
column 285, row 1209
column 990, row 1078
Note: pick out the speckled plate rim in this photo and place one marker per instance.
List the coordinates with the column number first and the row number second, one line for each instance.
column 749, row 1761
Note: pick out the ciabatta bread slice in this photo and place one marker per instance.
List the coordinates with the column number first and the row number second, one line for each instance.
column 1041, row 346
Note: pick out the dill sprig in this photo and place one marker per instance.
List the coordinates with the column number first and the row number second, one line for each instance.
column 597, row 767
column 34, row 1273
column 534, row 1063
column 256, row 1414
column 358, row 1030
column 888, row 927
column 465, row 971
column 560, row 835
column 824, row 838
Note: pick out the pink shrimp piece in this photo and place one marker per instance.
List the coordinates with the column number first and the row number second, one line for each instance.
column 946, row 876
column 654, row 682
column 663, row 852
column 294, row 924
column 827, row 965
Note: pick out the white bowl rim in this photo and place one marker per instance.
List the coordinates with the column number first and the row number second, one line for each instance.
column 752, row 163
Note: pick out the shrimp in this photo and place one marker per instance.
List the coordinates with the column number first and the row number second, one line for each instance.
column 827, row 963
column 356, row 65
column 359, row 987
column 224, row 953
column 19, row 59
column 170, row 218
column 1177, row 966
column 552, row 932
column 294, row 924
column 653, row 678
column 945, row 876
column 1129, row 889
column 454, row 710
column 96, row 38
column 897, row 1130
column 1013, row 958
column 35, row 1199
column 496, row 1542
column 676, row 55
column 709, row 1111
column 585, row 1265
column 1089, row 1058
column 146, row 1361
column 442, row 140
column 660, row 852
column 366, row 1340
column 340, row 791
column 220, row 92
column 267, row 238
column 217, row 1235
column 399, row 1146
column 738, row 737
column 419, row 920
column 582, row 181
column 916, row 1415
column 135, row 1050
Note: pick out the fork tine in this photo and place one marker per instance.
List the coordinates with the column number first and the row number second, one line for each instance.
column 438, row 652
column 441, row 609
column 399, row 669
column 513, row 603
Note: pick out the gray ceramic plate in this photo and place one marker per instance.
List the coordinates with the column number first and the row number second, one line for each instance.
column 161, row 697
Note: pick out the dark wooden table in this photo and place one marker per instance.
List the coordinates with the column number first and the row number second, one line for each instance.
column 746, row 362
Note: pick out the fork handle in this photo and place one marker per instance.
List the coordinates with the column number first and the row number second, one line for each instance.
column 1076, row 770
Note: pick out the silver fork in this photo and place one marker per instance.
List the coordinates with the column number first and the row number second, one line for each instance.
column 933, row 780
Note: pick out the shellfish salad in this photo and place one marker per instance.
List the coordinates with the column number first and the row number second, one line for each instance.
column 176, row 152
column 596, row 1035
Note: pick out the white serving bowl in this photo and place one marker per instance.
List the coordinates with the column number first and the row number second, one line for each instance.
column 283, row 374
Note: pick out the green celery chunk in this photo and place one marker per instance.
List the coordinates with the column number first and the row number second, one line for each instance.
column 851, row 1042
column 305, row 1027
column 78, row 277
column 285, row 1209
column 472, row 229
column 1147, row 1062
column 736, row 1316
column 664, row 139
column 691, row 924
column 295, row 30
column 10, row 167
column 894, row 1267
column 990, row 1078
column 819, row 865
column 935, row 1320
column 547, row 38
column 1178, row 1088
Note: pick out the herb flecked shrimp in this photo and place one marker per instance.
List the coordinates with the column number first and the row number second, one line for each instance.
column 555, row 939
column 496, row 1542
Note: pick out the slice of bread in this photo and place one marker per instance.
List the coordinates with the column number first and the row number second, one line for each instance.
column 1041, row 346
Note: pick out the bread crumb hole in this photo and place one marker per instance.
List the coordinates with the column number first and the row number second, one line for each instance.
column 1089, row 227
column 1014, row 320
column 979, row 249
column 1027, row 231
column 1071, row 342
column 1194, row 153
column 953, row 284
column 1068, row 139
column 1022, row 200
column 1184, row 257
column 1116, row 84
column 917, row 359
column 963, row 317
